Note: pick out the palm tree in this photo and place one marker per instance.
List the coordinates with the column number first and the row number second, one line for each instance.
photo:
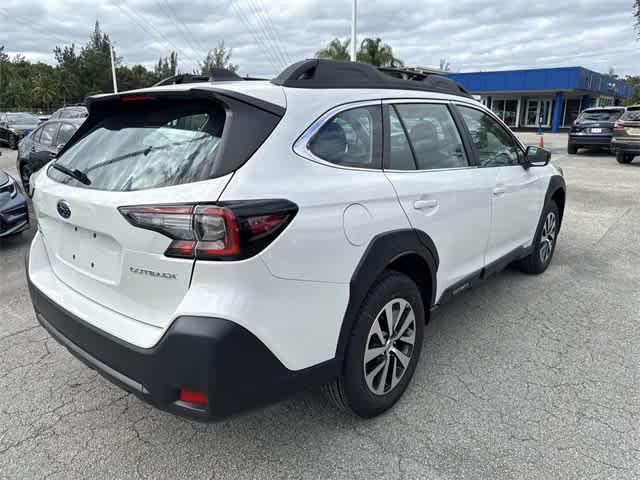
column 335, row 50
column 373, row 51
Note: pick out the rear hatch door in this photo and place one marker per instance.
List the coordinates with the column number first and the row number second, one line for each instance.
column 137, row 152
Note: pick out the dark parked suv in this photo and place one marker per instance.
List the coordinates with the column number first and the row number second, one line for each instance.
column 42, row 146
column 593, row 128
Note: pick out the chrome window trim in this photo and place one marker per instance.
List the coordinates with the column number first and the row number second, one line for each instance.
column 301, row 145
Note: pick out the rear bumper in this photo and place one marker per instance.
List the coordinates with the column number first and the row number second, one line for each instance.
column 626, row 147
column 590, row 140
column 234, row 369
column 14, row 215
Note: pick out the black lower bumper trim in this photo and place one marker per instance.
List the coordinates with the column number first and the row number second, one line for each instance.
column 235, row 370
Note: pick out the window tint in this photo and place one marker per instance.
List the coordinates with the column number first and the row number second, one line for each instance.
column 35, row 135
column 147, row 147
column 66, row 132
column 48, row 134
column 400, row 154
column 351, row 138
column 633, row 115
column 495, row 146
column 433, row 134
column 603, row 115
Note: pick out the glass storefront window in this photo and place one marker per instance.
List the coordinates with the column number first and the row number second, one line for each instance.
column 507, row 110
column 571, row 111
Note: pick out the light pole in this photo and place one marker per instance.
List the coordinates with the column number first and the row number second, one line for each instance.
column 113, row 69
column 354, row 28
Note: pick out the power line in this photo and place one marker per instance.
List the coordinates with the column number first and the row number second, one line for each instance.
column 182, row 28
column 267, row 51
column 157, row 32
column 273, row 30
column 261, row 23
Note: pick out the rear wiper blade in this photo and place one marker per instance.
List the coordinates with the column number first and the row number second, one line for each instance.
column 77, row 174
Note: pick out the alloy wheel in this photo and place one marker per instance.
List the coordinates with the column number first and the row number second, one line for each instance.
column 547, row 238
column 389, row 346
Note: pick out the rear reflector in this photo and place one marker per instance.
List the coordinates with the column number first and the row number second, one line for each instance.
column 231, row 231
column 618, row 126
column 136, row 98
column 189, row 396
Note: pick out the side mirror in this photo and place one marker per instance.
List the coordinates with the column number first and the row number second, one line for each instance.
column 536, row 157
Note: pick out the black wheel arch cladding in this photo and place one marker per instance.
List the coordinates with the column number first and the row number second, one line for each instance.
column 382, row 252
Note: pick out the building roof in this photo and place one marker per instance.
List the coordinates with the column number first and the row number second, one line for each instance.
column 578, row 79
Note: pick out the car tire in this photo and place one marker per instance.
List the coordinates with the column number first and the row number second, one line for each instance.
column 25, row 175
column 622, row 157
column 572, row 149
column 13, row 142
column 390, row 360
column 544, row 244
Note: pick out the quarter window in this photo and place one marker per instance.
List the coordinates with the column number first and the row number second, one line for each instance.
column 495, row 146
column 351, row 138
column 434, row 140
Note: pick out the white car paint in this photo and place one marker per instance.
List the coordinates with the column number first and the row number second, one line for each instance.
column 293, row 294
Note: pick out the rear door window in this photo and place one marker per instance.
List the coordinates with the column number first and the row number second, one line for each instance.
column 147, row 147
column 433, row 135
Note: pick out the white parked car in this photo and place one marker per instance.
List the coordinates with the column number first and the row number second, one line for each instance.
column 213, row 247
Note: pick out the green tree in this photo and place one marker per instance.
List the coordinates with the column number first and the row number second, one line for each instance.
column 219, row 57
column 373, row 51
column 167, row 66
column 635, row 81
column 636, row 14
column 335, row 50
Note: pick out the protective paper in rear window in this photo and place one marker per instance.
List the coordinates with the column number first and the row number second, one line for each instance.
column 156, row 146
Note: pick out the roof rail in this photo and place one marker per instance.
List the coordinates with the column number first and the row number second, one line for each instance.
column 182, row 78
column 317, row 73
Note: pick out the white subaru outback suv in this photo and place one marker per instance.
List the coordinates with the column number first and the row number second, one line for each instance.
column 213, row 247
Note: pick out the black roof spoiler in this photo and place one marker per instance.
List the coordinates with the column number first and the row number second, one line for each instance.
column 318, row 73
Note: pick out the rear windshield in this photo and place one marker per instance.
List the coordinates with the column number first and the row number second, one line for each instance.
column 600, row 116
column 148, row 147
column 74, row 113
column 22, row 117
column 632, row 114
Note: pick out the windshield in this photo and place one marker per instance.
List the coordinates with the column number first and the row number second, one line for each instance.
column 633, row 114
column 144, row 149
column 22, row 118
column 600, row 115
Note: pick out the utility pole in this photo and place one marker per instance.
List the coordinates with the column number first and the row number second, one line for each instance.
column 113, row 69
column 354, row 32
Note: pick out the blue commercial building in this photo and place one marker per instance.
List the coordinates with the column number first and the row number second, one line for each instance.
column 548, row 97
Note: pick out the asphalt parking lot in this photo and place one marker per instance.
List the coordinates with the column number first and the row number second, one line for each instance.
column 523, row 377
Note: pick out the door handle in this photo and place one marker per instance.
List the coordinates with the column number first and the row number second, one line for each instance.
column 425, row 204
column 499, row 191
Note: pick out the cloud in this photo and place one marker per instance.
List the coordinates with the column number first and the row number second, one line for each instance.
column 493, row 34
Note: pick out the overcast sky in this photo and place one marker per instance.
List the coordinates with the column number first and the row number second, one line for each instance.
column 471, row 34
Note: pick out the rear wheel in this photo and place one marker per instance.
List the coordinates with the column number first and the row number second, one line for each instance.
column 545, row 243
column 572, row 149
column 622, row 157
column 13, row 142
column 384, row 348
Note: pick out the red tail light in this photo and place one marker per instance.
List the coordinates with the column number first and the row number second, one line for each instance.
column 230, row 231
column 189, row 396
column 618, row 126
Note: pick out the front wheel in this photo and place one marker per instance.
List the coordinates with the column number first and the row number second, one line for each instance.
column 384, row 348
column 544, row 244
column 622, row 157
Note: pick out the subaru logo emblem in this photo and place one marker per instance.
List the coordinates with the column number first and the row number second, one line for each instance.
column 63, row 209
